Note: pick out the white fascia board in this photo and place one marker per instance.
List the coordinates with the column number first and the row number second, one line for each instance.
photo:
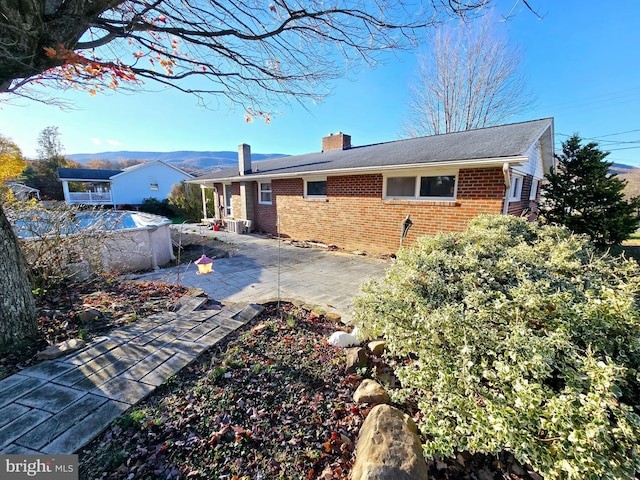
column 485, row 162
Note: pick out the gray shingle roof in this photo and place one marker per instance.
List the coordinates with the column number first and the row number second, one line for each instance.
column 498, row 142
column 86, row 173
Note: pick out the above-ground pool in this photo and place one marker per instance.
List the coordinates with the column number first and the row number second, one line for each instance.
column 122, row 241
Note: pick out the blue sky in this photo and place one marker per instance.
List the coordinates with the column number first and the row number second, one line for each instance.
column 581, row 61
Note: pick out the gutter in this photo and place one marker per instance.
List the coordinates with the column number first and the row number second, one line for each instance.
column 364, row 170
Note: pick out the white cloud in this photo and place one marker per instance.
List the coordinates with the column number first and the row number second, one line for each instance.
column 114, row 143
column 96, row 141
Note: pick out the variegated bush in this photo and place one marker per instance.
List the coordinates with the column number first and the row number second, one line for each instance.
column 516, row 337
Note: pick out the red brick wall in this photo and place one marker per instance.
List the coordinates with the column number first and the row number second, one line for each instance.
column 265, row 215
column 354, row 216
column 525, row 206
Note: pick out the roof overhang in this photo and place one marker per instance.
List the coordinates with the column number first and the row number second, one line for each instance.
column 79, row 179
column 475, row 163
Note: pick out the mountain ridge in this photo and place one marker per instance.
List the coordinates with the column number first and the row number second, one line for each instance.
column 186, row 159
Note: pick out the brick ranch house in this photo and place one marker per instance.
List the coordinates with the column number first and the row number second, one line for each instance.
column 356, row 197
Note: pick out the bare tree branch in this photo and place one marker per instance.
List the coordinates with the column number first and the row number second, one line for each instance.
column 469, row 79
column 251, row 51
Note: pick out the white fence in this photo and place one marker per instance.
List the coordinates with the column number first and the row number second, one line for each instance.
column 90, row 198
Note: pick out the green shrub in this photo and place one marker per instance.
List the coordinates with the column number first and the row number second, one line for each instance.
column 186, row 200
column 156, row 207
column 519, row 338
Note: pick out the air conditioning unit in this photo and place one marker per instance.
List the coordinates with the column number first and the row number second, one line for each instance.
column 235, row 226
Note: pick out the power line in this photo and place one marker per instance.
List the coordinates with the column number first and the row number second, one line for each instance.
column 619, row 133
column 608, row 143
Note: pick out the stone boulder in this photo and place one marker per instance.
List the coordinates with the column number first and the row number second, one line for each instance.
column 377, row 347
column 89, row 315
column 389, row 448
column 370, row 391
column 60, row 349
column 356, row 358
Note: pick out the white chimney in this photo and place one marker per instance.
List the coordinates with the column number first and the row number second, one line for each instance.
column 244, row 158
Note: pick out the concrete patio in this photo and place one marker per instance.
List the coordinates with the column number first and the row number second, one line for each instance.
column 58, row 406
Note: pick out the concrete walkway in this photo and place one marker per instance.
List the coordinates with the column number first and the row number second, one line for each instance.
column 58, row 406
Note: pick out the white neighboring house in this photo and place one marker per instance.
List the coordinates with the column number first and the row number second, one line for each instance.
column 130, row 186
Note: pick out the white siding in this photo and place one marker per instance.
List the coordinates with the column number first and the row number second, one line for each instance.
column 533, row 166
column 134, row 185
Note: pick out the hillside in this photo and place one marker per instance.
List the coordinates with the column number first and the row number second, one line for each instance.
column 621, row 168
column 199, row 162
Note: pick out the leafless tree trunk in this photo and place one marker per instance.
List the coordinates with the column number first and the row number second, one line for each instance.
column 17, row 306
column 469, row 79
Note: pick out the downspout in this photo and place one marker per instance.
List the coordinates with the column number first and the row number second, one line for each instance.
column 507, row 187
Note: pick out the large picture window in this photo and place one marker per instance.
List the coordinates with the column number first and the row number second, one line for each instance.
column 401, row 186
column 440, row 186
column 436, row 187
column 315, row 188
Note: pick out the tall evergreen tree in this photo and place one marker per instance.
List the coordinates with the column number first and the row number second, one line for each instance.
column 584, row 195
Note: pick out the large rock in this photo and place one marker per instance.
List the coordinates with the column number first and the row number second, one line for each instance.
column 356, row 358
column 55, row 351
column 370, row 391
column 377, row 347
column 389, row 448
column 89, row 315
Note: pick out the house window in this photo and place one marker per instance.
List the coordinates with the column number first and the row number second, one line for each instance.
column 315, row 188
column 264, row 193
column 534, row 190
column 154, row 187
column 515, row 193
column 401, row 186
column 437, row 187
column 227, row 201
column 440, row 186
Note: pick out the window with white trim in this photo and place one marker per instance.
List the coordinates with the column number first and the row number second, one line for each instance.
column 264, row 193
column 228, row 212
column 435, row 187
column 534, row 189
column 515, row 193
column 315, row 188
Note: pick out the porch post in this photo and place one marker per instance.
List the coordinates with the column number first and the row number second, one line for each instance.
column 65, row 189
column 204, row 202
